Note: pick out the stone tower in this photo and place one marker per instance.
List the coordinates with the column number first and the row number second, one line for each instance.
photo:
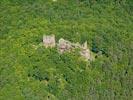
column 49, row 41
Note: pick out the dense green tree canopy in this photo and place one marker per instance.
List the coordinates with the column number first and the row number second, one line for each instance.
column 29, row 71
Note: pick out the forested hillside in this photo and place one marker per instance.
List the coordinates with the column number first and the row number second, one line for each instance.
column 29, row 71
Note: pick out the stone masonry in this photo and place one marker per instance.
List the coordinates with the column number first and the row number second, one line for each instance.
column 66, row 46
column 49, row 41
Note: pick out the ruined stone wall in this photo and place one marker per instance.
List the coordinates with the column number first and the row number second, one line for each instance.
column 49, row 41
column 66, row 46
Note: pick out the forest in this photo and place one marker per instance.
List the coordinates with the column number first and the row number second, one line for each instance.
column 30, row 73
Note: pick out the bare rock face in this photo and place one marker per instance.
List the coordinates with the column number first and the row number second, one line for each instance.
column 85, row 52
column 49, row 41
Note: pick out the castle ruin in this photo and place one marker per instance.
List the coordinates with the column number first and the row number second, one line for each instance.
column 66, row 46
column 49, row 41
